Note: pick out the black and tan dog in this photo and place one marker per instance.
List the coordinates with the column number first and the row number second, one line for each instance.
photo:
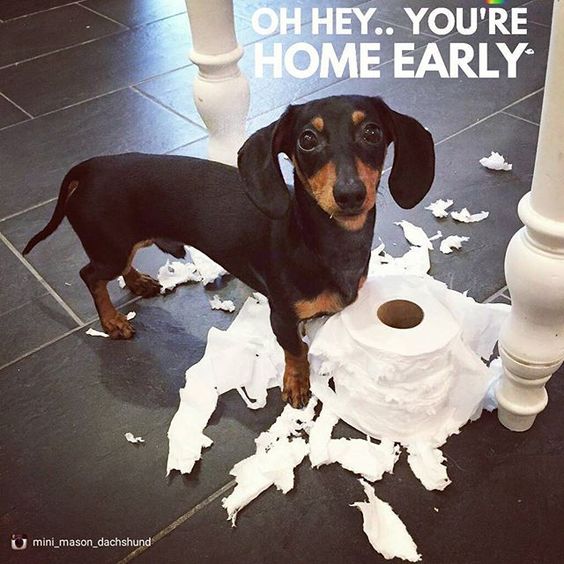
column 307, row 251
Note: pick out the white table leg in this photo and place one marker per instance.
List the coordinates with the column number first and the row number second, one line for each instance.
column 221, row 91
column 532, row 340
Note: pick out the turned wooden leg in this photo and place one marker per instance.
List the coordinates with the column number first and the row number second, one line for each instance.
column 221, row 91
column 532, row 339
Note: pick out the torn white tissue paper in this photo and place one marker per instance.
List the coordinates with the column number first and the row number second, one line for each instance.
column 384, row 529
column 496, row 162
column 412, row 386
column 416, row 261
column 121, row 282
column 131, row 315
column 224, row 305
column 171, row 274
column 360, row 456
column 133, row 439
column 452, row 242
column 464, row 216
column 415, row 235
column 426, row 463
column 278, row 453
column 529, row 51
column 95, row 333
column 209, row 270
column 439, row 207
column 259, row 366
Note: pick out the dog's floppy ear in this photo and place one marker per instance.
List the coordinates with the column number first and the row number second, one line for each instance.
column 414, row 157
column 258, row 166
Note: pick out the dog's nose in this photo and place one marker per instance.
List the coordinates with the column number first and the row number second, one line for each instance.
column 349, row 195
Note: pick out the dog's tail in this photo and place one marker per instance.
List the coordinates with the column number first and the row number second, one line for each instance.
column 67, row 188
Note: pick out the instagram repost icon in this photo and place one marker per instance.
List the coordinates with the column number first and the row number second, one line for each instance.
column 19, row 542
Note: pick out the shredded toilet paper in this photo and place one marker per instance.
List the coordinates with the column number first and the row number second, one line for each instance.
column 174, row 273
column 496, row 162
column 465, row 216
column 415, row 235
column 203, row 269
column 384, row 529
column 439, row 207
column 209, row 270
column 278, row 453
column 130, row 437
column 448, row 244
column 400, row 387
column 224, row 305
column 427, row 464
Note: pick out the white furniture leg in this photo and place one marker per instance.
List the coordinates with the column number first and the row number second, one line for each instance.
column 532, row 339
column 221, row 91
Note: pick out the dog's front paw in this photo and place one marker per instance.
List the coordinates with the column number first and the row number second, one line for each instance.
column 296, row 390
column 118, row 327
column 296, row 393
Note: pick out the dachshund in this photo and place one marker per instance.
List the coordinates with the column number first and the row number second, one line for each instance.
column 306, row 249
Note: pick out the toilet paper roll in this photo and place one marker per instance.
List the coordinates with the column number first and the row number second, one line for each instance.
column 437, row 328
column 407, row 385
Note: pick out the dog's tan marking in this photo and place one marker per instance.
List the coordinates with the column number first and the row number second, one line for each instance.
column 326, row 302
column 296, row 378
column 358, row 116
column 318, row 123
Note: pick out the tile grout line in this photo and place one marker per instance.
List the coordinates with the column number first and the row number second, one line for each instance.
column 88, row 9
column 65, row 334
column 41, row 280
column 40, row 11
column 521, row 118
column 495, row 295
column 176, row 523
column 481, row 120
column 17, row 106
column 166, row 107
column 67, row 48
column 23, row 304
column 31, row 208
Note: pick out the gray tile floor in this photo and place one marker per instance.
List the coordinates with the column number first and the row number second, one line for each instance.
column 119, row 79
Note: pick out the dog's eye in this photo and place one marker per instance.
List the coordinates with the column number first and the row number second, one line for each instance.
column 308, row 140
column 372, row 134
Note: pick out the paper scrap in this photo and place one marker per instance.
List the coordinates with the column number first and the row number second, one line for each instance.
column 278, row 453
column 439, row 207
column 452, row 242
column 495, row 162
column 95, row 333
column 384, row 529
column 133, row 439
column 529, row 51
column 209, row 270
column 464, row 216
column 131, row 315
column 426, row 463
column 121, row 282
column 174, row 273
column 415, row 235
column 224, row 305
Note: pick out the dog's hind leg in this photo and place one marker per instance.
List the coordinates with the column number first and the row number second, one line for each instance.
column 114, row 323
column 140, row 284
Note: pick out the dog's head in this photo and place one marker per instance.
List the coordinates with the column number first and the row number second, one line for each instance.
column 338, row 146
